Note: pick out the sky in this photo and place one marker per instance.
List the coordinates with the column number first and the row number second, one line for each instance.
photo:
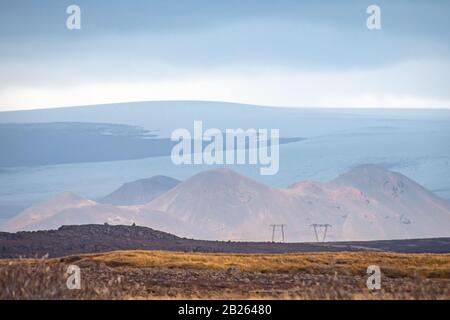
column 274, row 53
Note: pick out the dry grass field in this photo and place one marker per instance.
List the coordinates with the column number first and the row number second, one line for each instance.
column 173, row 275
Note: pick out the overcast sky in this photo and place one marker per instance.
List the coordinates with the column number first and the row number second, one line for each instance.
column 278, row 53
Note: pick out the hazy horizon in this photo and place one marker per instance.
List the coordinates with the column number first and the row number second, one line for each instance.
column 237, row 103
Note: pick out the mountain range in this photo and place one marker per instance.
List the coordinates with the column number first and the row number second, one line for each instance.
column 366, row 203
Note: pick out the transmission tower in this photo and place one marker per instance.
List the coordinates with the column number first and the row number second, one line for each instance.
column 321, row 227
column 281, row 227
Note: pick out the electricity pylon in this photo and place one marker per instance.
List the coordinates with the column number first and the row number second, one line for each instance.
column 281, row 226
column 318, row 227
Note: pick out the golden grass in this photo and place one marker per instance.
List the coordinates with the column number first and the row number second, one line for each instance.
column 176, row 275
column 351, row 263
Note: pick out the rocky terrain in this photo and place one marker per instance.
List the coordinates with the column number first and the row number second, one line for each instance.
column 68, row 240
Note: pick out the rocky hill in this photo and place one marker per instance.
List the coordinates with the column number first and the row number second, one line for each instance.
column 70, row 240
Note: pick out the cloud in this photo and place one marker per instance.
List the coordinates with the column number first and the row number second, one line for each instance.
column 294, row 53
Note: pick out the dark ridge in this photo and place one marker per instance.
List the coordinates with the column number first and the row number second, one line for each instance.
column 79, row 142
column 70, row 240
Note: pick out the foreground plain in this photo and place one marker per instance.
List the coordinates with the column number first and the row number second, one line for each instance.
column 177, row 275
